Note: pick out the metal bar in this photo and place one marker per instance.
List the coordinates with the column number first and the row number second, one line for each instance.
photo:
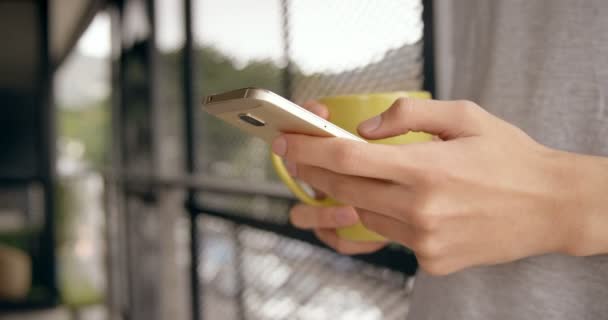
column 123, row 158
column 394, row 259
column 189, row 134
column 47, row 138
column 27, row 306
column 405, row 263
column 428, row 51
column 19, row 181
column 125, row 227
column 408, row 266
column 189, row 90
column 117, row 301
column 201, row 183
column 195, row 289
column 152, row 93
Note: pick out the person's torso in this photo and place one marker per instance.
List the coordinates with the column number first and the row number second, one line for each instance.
column 543, row 66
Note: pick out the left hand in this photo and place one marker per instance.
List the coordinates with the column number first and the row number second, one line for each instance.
column 486, row 193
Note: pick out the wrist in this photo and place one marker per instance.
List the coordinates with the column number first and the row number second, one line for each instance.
column 584, row 207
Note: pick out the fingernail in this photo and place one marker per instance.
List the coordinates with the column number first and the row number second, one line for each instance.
column 279, row 146
column 316, row 109
column 310, row 102
column 370, row 125
column 292, row 169
column 345, row 217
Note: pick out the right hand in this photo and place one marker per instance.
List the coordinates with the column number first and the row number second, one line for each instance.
column 325, row 220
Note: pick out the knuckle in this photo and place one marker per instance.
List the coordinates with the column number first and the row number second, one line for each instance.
column 428, row 245
column 346, row 156
column 428, row 222
column 466, row 106
column 432, row 223
column 467, row 109
column 435, row 267
column 471, row 113
column 402, row 107
column 426, row 212
column 422, row 215
column 404, row 103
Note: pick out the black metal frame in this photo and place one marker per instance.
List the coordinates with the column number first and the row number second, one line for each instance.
column 47, row 138
column 189, row 64
column 428, row 48
column 46, row 266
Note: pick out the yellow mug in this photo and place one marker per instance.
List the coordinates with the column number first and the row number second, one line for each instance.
column 348, row 112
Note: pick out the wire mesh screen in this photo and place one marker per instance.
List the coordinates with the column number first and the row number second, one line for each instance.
column 346, row 47
column 254, row 274
column 304, row 49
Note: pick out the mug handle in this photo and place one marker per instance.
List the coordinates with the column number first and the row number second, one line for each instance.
column 355, row 232
column 295, row 187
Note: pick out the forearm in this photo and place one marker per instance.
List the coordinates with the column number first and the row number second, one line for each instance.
column 588, row 206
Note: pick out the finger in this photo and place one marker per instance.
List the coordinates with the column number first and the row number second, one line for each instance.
column 316, row 108
column 292, row 170
column 329, row 237
column 389, row 227
column 353, row 157
column 370, row 194
column 309, row 217
column 446, row 119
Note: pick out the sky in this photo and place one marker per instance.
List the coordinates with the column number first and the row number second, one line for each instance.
column 326, row 35
column 95, row 41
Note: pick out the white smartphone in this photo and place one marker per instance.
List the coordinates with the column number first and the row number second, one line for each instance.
column 266, row 115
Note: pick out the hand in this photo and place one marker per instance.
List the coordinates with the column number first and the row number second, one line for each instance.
column 486, row 193
column 324, row 221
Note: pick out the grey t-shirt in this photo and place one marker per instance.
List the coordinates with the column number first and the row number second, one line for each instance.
column 543, row 66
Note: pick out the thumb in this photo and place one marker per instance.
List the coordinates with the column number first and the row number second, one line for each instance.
column 446, row 119
column 316, row 108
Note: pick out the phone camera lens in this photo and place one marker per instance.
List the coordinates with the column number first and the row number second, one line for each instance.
column 246, row 117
